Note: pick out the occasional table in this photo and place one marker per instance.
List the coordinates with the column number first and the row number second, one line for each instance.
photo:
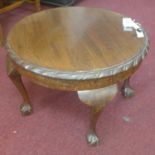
column 86, row 50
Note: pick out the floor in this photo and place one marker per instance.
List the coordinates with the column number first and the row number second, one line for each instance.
column 60, row 121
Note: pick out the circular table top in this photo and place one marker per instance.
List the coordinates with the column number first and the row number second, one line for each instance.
column 75, row 43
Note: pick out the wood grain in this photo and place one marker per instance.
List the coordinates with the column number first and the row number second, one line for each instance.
column 74, row 39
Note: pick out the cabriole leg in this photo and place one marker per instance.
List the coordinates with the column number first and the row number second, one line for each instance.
column 127, row 91
column 15, row 77
column 97, row 100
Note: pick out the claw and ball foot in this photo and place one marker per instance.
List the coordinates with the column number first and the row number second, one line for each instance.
column 92, row 138
column 15, row 77
column 25, row 109
column 127, row 91
column 96, row 99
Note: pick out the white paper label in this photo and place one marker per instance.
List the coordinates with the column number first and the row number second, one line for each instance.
column 129, row 25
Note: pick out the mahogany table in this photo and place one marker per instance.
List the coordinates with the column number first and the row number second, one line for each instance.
column 87, row 50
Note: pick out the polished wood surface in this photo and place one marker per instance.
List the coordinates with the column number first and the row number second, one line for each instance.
column 74, row 39
column 74, row 85
column 68, row 42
